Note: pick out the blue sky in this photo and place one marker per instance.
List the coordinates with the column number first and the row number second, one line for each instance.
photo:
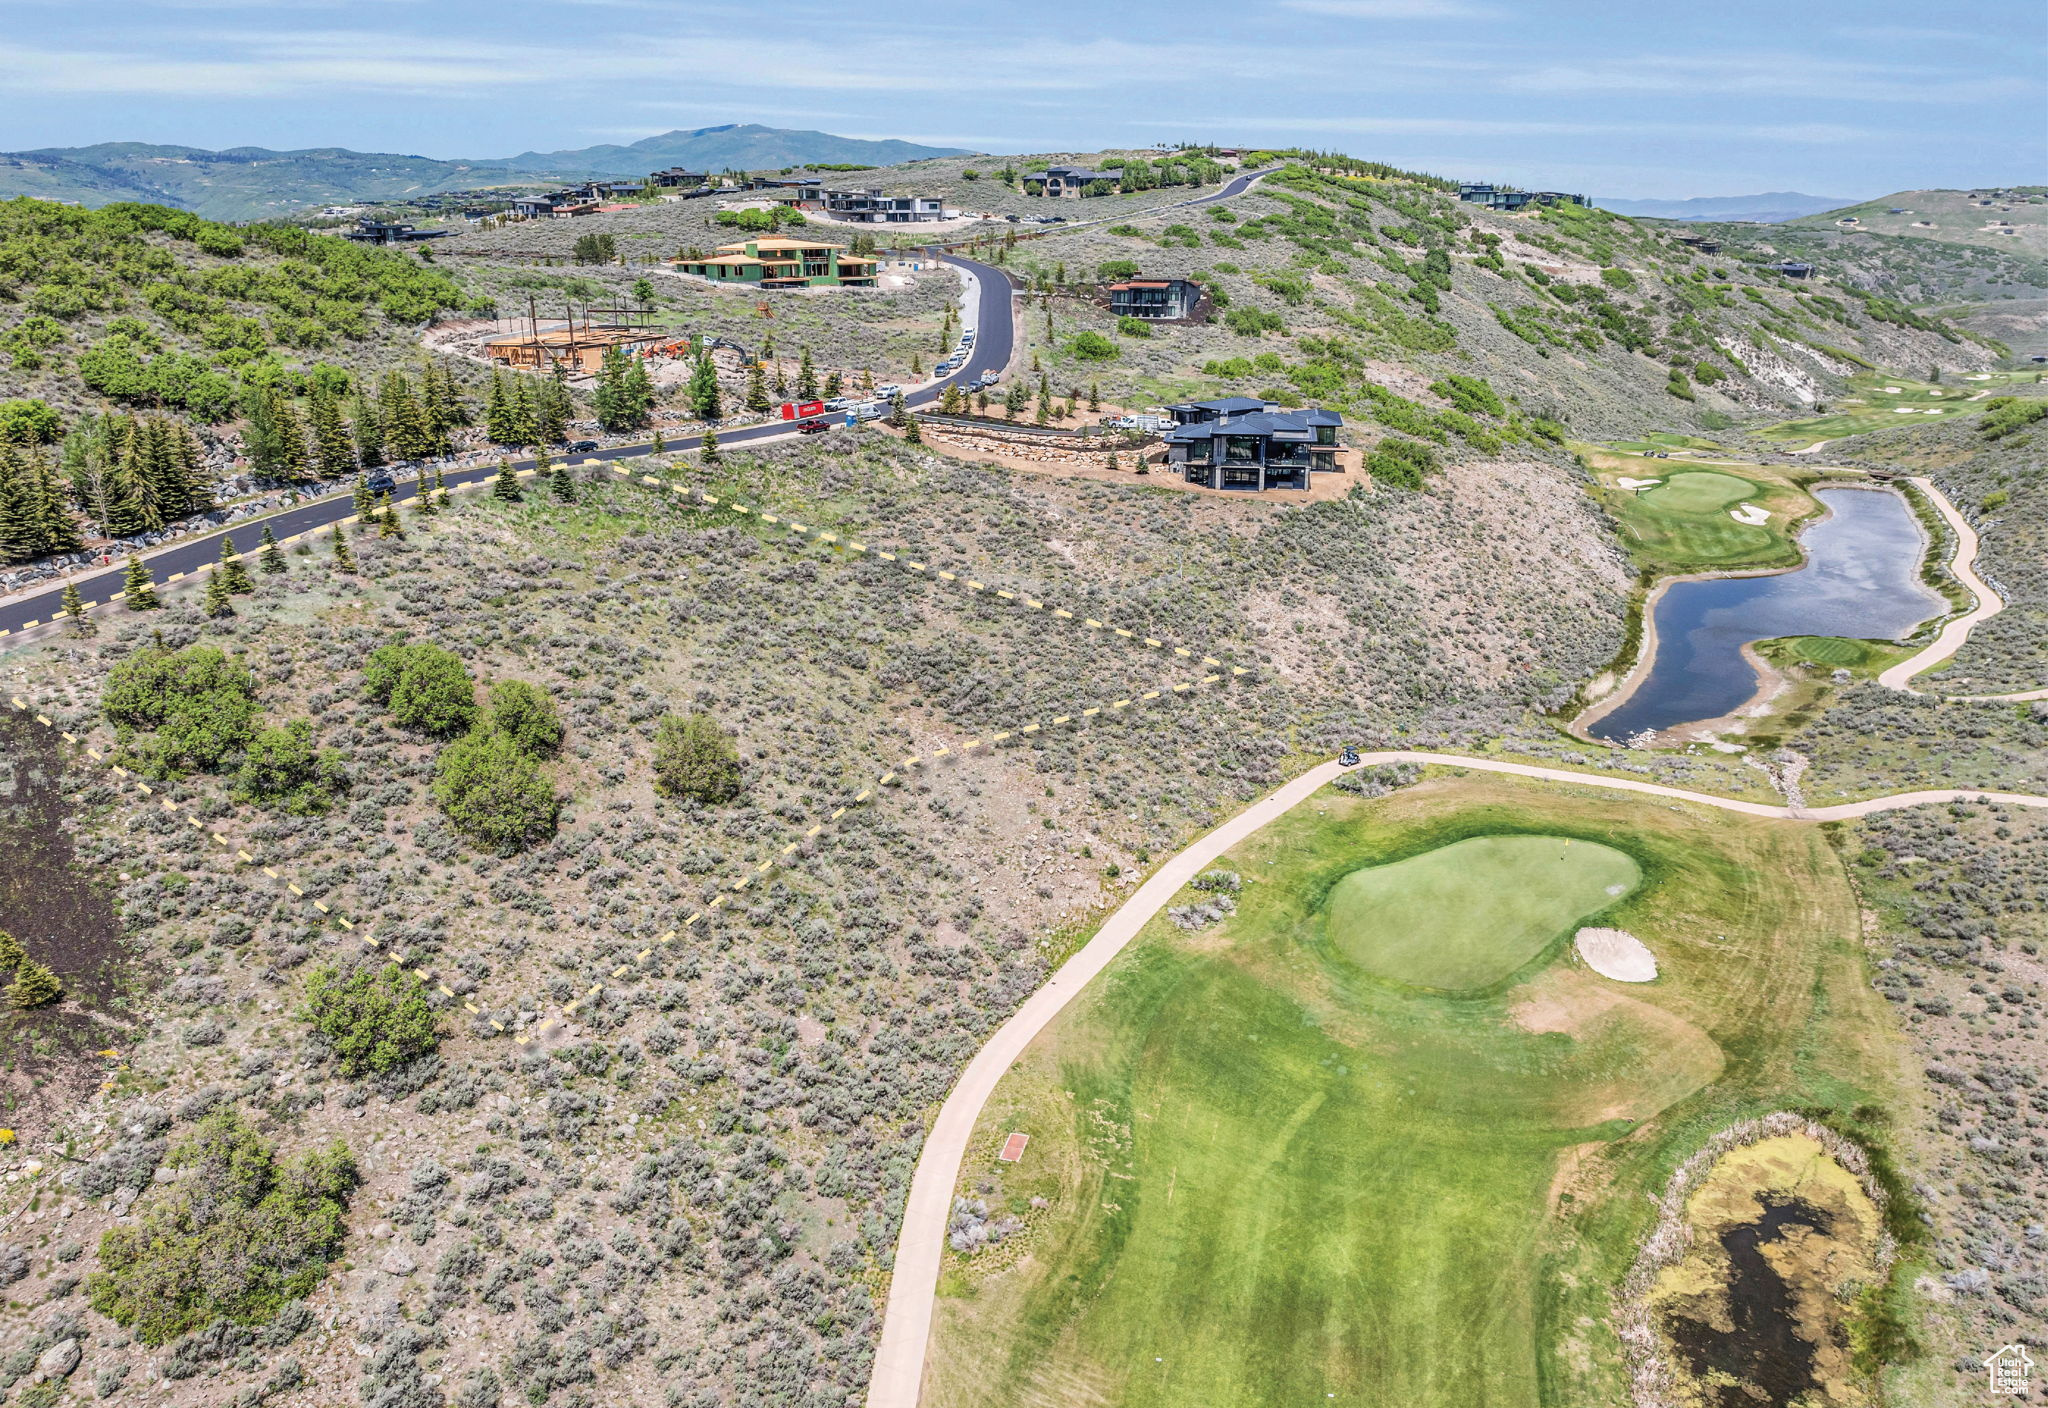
column 1647, row 99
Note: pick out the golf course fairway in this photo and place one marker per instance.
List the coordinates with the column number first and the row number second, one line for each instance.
column 1269, row 1166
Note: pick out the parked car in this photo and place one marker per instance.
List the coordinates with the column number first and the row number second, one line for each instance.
column 888, row 391
column 582, row 447
column 840, row 403
column 870, row 410
column 816, row 425
column 379, row 481
column 988, row 379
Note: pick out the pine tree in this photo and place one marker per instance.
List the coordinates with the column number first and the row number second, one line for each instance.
column 232, row 570
column 344, row 560
column 55, row 529
column 835, row 385
column 655, row 444
column 294, row 465
column 369, row 431
column 362, row 503
column 505, row 485
column 553, row 410
column 501, row 413
column 218, row 601
column 563, row 485
column 138, row 588
column 911, row 434
column 388, row 525
column 408, row 435
column 269, row 556
column 17, row 509
column 1114, row 462
column 520, row 417
column 756, row 399
column 806, row 377
column 334, row 448
column 952, row 402
column 34, row 985
column 703, row 389
column 74, row 607
column 440, row 490
column 710, row 446
column 1094, row 395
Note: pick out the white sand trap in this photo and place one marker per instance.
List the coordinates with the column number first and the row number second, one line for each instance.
column 1628, row 483
column 1752, row 515
column 1616, row 954
column 1904, row 411
column 1980, row 376
column 1933, row 410
column 1892, row 390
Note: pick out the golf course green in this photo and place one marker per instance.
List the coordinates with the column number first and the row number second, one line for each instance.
column 1676, row 520
column 1468, row 914
column 1698, row 491
column 1377, row 1136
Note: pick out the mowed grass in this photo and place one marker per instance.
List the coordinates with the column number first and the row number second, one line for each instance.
column 1682, row 524
column 1269, row 1177
column 1875, row 401
column 1467, row 915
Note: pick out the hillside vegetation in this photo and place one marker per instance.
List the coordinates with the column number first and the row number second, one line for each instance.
column 2001, row 217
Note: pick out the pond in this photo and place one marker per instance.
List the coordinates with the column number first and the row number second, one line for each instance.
column 1861, row 579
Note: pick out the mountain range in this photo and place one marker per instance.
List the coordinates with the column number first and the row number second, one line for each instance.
column 1769, row 208
column 244, row 183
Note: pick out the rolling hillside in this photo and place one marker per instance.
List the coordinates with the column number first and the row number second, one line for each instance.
column 2007, row 217
column 244, row 183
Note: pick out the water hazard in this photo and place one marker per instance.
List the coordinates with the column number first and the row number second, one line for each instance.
column 1861, row 579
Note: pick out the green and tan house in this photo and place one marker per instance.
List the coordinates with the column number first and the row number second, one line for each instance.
column 783, row 263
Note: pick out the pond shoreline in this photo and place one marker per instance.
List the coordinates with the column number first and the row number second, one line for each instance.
column 1770, row 681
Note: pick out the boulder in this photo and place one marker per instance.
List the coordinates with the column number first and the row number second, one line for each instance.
column 58, row 1360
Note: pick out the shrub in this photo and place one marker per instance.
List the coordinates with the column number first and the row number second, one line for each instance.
column 1110, row 270
column 1471, row 395
column 284, row 770
column 374, row 1021
column 34, row 986
column 494, row 792
column 1093, row 347
column 1401, row 463
column 1133, row 327
column 201, row 703
column 696, row 760
column 2008, row 415
column 238, row 1239
column 29, row 423
column 428, row 688
column 1250, row 322
column 524, row 713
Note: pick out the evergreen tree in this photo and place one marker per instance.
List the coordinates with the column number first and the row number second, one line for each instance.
column 408, row 434
column 440, row 490
column 952, row 401
column 501, row 413
column 34, row 985
column 806, row 377
column 388, row 525
column 294, row 464
column 344, row 560
column 74, row 607
column 703, row 388
column 505, row 485
column 562, row 484
column 138, row 588
column 269, row 556
column 55, row 530
column 17, row 508
column 710, row 446
column 334, row 448
column 369, row 431
column 259, row 431
column 218, row 602
column 552, row 410
column 756, row 399
column 1114, row 462
column 655, row 444
column 521, row 414
column 1094, row 395
column 362, row 502
column 835, row 385
column 911, row 434
column 232, row 571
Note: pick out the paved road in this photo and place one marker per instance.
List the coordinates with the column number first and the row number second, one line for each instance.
column 995, row 335
column 906, row 1331
column 1964, row 565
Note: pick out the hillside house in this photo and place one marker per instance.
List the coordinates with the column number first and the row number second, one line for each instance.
column 676, row 176
column 1244, row 443
column 576, row 350
column 874, row 208
column 1153, row 299
column 1509, row 199
column 369, row 230
column 1064, row 182
column 1791, row 268
column 783, row 263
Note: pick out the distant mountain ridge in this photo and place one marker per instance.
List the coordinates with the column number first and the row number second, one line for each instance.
column 244, row 183
column 1770, row 207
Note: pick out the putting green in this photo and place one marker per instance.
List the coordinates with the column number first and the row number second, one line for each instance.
column 1699, row 491
column 1831, row 650
column 1466, row 915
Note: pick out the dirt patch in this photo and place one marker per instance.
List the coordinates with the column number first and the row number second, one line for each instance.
column 66, row 920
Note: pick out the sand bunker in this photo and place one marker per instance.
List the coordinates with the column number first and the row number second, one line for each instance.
column 1892, row 390
column 1752, row 515
column 1628, row 483
column 1616, row 954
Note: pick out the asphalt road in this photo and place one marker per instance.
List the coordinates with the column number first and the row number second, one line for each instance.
column 994, row 336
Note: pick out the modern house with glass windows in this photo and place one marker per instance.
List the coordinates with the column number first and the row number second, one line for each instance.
column 1243, row 443
column 783, row 263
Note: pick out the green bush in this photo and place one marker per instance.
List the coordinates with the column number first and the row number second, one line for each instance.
column 428, row 688
column 525, row 714
column 696, row 760
column 1471, row 395
column 236, row 1239
column 1133, row 327
column 1093, row 347
column 29, row 422
column 494, row 792
column 284, row 770
column 201, row 704
column 1250, row 322
column 1110, row 270
column 2008, row 415
column 374, row 1020
column 1403, row 464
